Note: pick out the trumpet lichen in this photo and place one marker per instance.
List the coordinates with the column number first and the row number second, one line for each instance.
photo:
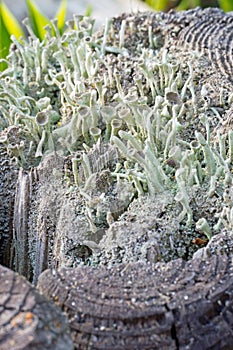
column 142, row 133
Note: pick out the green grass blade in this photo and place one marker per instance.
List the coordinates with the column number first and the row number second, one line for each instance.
column 226, row 5
column 38, row 20
column 61, row 15
column 188, row 4
column 158, row 5
column 4, row 42
column 8, row 26
column 10, row 21
column 89, row 10
column 183, row 5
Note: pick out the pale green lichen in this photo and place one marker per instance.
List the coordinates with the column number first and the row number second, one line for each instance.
column 69, row 94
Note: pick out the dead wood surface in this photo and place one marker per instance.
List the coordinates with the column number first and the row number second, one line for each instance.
column 178, row 305
column 27, row 319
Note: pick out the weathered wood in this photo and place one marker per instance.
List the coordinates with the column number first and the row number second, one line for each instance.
column 178, row 305
column 27, row 319
column 8, row 178
column 207, row 31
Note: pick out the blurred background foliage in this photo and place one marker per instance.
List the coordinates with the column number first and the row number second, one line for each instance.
column 9, row 25
column 37, row 20
column 166, row 5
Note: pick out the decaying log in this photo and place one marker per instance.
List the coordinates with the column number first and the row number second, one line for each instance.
column 27, row 319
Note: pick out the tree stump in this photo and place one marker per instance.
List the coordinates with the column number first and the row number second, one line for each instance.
column 122, row 145
column 28, row 321
column 176, row 305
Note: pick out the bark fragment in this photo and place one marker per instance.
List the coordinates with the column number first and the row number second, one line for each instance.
column 27, row 319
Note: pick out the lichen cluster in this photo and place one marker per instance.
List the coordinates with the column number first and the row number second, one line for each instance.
column 140, row 132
